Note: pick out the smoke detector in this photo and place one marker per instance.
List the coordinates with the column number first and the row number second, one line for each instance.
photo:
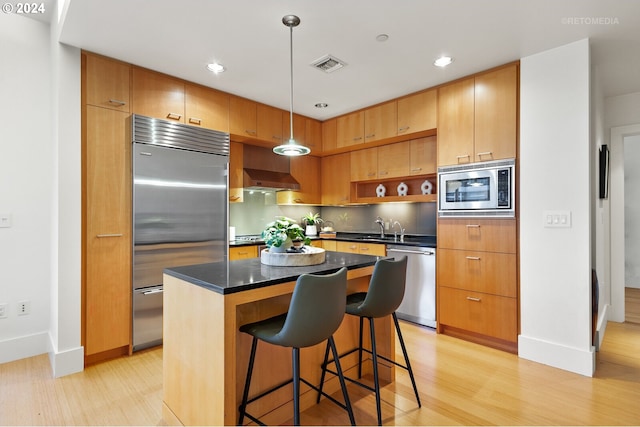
column 328, row 64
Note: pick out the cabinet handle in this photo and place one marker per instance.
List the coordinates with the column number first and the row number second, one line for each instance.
column 364, row 249
column 474, row 299
column 485, row 153
column 243, row 253
column 276, row 137
column 473, row 258
column 416, row 169
column 473, row 225
column 383, row 173
column 357, row 138
column 371, row 135
column 250, row 132
column 464, row 156
column 100, row 236
column 403, row 128
column 234, row 198
column 298, row 200
column 371, row 174
column 174, row 116
column 195, row 120
column 116, row 102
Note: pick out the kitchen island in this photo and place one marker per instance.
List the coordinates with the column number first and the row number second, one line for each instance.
column 205, row 356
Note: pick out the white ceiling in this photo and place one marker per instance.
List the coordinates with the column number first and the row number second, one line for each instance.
column 247, row 36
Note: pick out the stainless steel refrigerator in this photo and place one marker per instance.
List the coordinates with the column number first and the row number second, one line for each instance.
column 180, row 210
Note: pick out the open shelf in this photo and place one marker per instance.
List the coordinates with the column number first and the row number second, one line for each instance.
column 365, row 192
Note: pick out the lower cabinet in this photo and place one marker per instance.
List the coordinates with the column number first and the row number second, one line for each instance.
column 362, row 248
column 243, row 252
column 477, row 281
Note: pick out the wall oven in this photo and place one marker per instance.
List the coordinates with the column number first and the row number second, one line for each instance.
column 477, row 189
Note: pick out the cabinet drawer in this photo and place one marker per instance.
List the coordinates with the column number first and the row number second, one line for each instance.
column 484, row 314
column 488, row 272
column 493, row 235
column 242, row 252
column 350, row 247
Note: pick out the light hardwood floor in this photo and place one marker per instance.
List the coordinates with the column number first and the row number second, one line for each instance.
column 460, row 384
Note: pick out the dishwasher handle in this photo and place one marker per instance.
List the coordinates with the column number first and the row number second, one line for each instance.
column 409, row 251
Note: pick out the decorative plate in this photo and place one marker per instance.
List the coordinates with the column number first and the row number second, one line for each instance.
column 380, row 190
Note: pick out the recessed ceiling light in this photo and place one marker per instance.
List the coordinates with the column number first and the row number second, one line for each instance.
column 443, row 61
column 216, row 68
column 382, row 37
column 321, row 105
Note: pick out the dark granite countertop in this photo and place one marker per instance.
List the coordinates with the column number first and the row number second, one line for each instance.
column 241, row 275
column 428, row 241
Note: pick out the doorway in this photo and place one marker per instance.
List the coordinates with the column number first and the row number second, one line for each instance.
column 619, row 137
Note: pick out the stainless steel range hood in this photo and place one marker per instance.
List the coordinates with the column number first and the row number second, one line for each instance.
column 265, row 170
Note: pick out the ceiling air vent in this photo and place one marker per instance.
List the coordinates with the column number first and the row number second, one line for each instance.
column 328, row 64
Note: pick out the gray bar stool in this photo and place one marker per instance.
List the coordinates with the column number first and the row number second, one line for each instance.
column 385, row 293
column 316, row 311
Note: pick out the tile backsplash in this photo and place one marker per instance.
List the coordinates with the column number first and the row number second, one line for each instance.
column 260, row 208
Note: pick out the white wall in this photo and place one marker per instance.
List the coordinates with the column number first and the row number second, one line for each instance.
column 27, row 164
column 555, row 286
column 40, row 187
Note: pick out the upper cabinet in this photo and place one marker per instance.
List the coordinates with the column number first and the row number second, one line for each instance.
column 477, row 118
column 306, row 170
column 269, row 124
column 417, row 112
column 306, row 131
column 106, row 83
column 350, row 129
column 334, row 177
column 329, row 135
column 157, row 95
column 380, row 122
column 243, row 117
column 207, row 108
column 423, row 156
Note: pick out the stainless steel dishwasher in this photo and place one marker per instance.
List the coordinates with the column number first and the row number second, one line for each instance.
column 419, row 303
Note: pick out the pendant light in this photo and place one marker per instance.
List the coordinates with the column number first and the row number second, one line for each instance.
column 291, row 147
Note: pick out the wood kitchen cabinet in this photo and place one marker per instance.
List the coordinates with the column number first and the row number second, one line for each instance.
column 423, row 156
column 334, row 178
column 106, row 82
column 329, row 135
column 206, row 107
column 243, row 117
column 417, row 112
column 383, row 162
column 306, row 131
column 306, row 170
column 269, row 124
column 236, row 172
column 242, row 252
column 157, row 95
column 350, row 129
column 381, row 121
column 477, row 118
column 375, row 249
column 477, row 280
column 106, row 261
column 313, row 135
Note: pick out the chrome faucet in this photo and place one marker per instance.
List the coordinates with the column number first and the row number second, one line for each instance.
column 380, row 222
column 395, row 233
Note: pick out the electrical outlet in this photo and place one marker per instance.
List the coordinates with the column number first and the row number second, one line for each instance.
column 24, row 307
column 4, row 307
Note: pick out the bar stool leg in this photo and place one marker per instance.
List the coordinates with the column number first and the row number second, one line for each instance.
column 247, row 382
column 376, row 381
column 360, row 350
column 296, row 385
column 343, row 385
column 406, row 359
column 324, row 370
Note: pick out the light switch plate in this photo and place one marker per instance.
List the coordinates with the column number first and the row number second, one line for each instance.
column 5, row 220
column 557, row 219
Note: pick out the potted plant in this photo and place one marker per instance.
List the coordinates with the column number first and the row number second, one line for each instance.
column 312, row 220
column 280, row 234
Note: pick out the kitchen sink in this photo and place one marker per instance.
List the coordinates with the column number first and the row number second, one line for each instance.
column 377, row 238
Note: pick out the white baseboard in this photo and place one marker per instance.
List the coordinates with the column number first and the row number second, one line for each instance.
column 66, row 362
column 23, row 347
column 601, row 326
column 559, row 356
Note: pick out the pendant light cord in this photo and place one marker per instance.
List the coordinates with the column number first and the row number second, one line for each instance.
column 291, row 91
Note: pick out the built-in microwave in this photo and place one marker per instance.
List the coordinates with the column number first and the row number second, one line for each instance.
column 477, row 189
